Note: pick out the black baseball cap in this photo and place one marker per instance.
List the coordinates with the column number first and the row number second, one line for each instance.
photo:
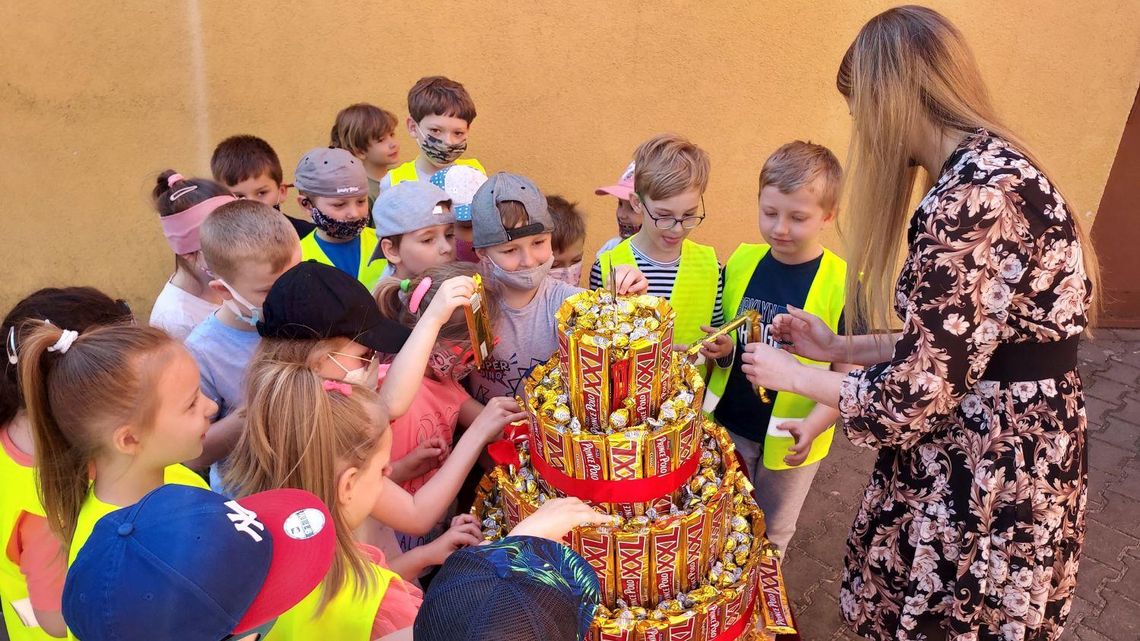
column 314, row 300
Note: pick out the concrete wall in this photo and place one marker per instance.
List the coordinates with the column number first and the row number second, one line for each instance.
column 98, row 97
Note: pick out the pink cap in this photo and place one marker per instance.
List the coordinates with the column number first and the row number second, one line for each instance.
column 181, row 229
column 622, row 189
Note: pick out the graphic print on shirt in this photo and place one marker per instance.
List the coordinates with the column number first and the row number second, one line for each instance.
column 504, row 372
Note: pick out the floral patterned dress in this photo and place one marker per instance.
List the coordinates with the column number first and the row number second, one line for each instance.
column 972, row 524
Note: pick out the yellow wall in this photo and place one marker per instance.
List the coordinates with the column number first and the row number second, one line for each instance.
column 98, row 97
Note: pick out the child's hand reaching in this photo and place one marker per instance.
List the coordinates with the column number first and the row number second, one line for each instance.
column 451, row 295
column 717, row 348
column 556, row 517
column 629, row 280
column 428, row 455
column 805, row 433
column 500, row 412
column 464, row 531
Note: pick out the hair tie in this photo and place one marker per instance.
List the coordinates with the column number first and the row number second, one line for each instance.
column 418, row 295
column 13, row 355
column 337, row 386
column 66, row 338
column 405, row 285
column 173, row 178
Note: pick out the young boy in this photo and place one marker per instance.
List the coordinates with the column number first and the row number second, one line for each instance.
column 368, row 133
column 628, row 221
column 416, row 228
column 333, row 187
column 249, row 168
column 441, row 112
column 568, row 240
column 461, row 182
column 512, row 230
column 247, row 245
column 799, row 191
column 670, row 177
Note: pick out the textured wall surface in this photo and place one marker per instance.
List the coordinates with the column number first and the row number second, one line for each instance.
column 98, row 97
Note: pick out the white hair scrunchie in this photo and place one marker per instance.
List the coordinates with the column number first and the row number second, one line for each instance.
column 65, row 341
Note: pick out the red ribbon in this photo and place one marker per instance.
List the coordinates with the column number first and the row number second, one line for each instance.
column 505, row 450
column 624, row 491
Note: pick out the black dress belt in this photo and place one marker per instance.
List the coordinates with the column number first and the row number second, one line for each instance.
column 1015, row 362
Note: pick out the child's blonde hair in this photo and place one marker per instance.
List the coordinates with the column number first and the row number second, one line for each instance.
column 392, row 298
column 77, row 395
column 667, row 165
column 300, row 435
column 800, row 163
column 243, row 231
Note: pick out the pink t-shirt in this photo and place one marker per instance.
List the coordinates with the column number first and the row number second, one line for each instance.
column 433, row 412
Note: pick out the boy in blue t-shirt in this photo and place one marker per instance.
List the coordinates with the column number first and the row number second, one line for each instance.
column 781, row 436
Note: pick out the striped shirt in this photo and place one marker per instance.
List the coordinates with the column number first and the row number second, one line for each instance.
column 661, row 277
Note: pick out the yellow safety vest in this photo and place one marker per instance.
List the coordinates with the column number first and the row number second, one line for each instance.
column 369, row 271
column 348, row 617
column 18, row 497
column 694, row 291
column 407, row 171
column 825, row 300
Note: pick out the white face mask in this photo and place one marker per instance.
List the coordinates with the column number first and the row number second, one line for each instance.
column 522, row 279
column 367, row 375
column 571, row 275
column 237, row 302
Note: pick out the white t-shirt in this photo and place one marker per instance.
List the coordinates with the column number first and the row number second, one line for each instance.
column 177, row 311
column 610, row 244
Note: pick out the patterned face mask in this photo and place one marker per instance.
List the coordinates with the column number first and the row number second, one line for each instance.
column 452, row 360
column 440, row 152
column 340, row 229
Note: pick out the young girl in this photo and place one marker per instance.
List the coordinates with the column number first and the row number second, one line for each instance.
column 183, row 204
column 119, row 402
column 31, row 574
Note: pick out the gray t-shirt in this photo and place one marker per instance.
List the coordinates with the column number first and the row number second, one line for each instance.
column 526, row 337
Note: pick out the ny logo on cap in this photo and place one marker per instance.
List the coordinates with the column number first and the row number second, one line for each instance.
column 245, row 520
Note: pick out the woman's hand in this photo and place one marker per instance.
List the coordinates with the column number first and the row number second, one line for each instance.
column 464, row 531
column 629, row 280
column 451, row 295
column 500, row 412
column 427, row 456
column 556, row 517
column 766, row 366
column 805, row 335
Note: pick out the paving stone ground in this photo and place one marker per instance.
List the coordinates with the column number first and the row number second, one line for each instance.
column 1107, row 606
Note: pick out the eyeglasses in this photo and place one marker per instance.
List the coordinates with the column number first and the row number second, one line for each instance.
column 665, row 223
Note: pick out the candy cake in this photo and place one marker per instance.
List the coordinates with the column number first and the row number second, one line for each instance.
column 614, row 418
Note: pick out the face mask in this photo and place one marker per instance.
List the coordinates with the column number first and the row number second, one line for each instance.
column 237, row 302
column 454, row 362
column 522, row 279
column 340, row 229
column 571, row 275
column 440, row 152
column 625, row 231
column 366, row 375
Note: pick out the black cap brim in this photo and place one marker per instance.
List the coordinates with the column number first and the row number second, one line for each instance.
column 386, row 336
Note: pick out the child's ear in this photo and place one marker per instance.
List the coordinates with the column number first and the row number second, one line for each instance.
column 283, row 192
column 411, row 127
column 346, row 485
column 480, row 253
column 829, row 214
column 220, row 289
column 391, row 252
column 124, row 441
column 635, row 203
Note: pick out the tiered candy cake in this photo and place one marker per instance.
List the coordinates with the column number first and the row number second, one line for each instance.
column 615, row 420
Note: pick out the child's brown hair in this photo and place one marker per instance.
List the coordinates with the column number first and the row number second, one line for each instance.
column 239, row 158
column 440, row 96
column 172, row 198
column 358, row 126
column 78, row 394
column 667, row 165
column 300, row 434
column 391, row 297
column 246, row 230
column 569, row 223
column 800, row 163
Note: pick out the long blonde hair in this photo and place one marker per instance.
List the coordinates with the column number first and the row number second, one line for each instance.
column 300, row 435
column 907, row 66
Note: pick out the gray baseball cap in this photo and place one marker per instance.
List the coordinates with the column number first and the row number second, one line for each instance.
column 332, row 173
column 411, row 205
column 488, row 229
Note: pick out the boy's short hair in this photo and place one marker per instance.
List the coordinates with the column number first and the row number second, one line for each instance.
column 569, row 223
column 667, row 165
column 243, row 231
column 358, row 126
column 440, row 96
column 239, row 158
column 800, row 163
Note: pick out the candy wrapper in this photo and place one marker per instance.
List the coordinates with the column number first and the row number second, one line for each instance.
column 775, row 611
column 632, row 549
column 667, row 541
column 479, row 323
column 596, row 545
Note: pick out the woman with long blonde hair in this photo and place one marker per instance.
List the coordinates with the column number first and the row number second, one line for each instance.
column 972, row 523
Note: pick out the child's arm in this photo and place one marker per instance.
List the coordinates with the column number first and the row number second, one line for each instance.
column 427, row 456
column 416, row 514
column 464, row 531
column 815, row 423
column 406, row 373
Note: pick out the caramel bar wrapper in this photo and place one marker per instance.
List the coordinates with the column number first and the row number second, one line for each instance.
column 593, row 394
column 589, row 454
column 510, row 500
column 718, row 521
column 666, row 359
column 694, row 566
column 661, row 451
column 687, row 626
column 624, row 456
column 734, row 604
column 773, row 597
column 689, row 438
column 554, row 446
column 645, row 378
column 667, row 541
column 632, row 549
column 479, row 324
column 714, row 617
column 596, row 545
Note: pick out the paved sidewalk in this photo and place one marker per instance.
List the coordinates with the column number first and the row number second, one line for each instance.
column 1107, row 607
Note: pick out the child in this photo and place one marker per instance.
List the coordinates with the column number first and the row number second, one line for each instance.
column 333, row 187
column 368, row 133
column 32, row 569
column 249, row 168
column 461, row 182
column 224, row 569
column 247, row 245
column 441, row 112
column 416, row 228
column 121, row 403
column 186, row 299
column 512, row 230
column 567, row 241
column 799, row 192
column 628, row 221
column 670, row 177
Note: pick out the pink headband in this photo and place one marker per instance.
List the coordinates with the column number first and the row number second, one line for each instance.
column 181, row 229
column 418, row 295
